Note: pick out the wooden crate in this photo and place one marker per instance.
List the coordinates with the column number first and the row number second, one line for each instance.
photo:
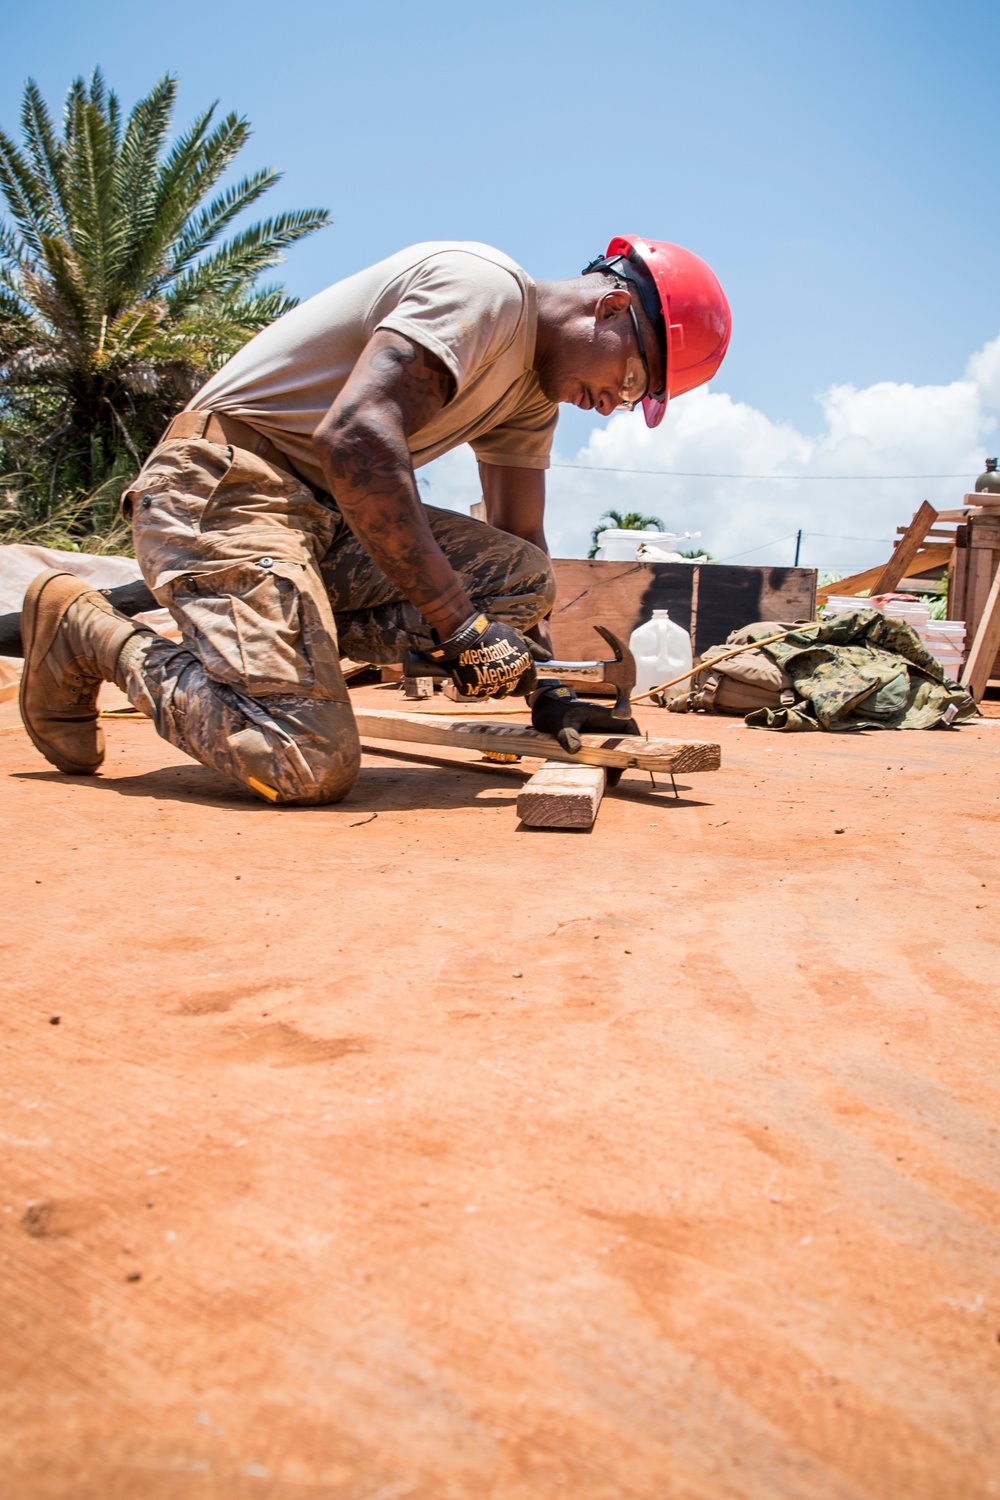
column 709, row 600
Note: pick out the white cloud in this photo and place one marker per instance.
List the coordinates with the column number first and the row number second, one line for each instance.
column 984, row 370
column 881, row 430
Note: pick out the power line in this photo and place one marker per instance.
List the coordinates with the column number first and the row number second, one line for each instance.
column 833, row 537
column 703, row 474
column 828, row 535
column 759, row 548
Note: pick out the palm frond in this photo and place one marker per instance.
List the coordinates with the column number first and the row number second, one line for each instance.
column 75, row 95
column 196, row 236
column 91, row 184
column 60, row 296
column 12, row 256
column 261, row 307
column 192, row 168
column 195, row 163
column 244, row 257
column 46, row 154
column 137, row 172
column 25, row 201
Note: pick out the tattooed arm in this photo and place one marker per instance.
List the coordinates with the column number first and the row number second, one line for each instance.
column 394, row 390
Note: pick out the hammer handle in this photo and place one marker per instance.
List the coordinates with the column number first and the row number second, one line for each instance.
column 415, row 664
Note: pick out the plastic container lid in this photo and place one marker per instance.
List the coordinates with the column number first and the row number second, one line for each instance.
column 615, row 534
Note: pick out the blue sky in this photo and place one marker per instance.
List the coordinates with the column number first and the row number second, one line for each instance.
column 836, row 165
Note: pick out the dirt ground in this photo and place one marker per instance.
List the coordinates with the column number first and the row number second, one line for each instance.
column 423, row 1157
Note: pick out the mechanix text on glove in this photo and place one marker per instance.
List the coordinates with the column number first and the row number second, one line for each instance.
column 488, row 660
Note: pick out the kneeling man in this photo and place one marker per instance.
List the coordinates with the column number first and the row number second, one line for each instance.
column 279, row 519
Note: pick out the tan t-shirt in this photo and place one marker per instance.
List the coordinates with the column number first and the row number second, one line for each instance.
column 470, row 305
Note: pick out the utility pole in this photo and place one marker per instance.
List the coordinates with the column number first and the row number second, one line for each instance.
column 798, row 546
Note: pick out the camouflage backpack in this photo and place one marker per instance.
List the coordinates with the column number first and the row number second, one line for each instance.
column 738, row 686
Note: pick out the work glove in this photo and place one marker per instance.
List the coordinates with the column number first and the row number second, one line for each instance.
column 486, row 659
column 555, row 709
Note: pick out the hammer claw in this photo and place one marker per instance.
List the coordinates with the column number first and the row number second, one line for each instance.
column 620, row 673
column 621, row 651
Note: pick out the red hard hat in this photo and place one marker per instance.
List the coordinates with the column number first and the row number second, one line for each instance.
column 693, row 321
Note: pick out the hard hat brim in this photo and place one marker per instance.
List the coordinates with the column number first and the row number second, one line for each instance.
column 653, row 410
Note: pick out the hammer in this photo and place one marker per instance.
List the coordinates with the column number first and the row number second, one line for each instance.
column 619, row 672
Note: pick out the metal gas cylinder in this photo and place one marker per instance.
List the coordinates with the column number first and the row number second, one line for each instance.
column 988, row 482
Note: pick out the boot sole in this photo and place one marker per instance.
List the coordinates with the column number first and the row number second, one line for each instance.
column 29, row 625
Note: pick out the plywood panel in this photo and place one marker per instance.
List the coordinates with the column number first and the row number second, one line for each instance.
column 709, row 600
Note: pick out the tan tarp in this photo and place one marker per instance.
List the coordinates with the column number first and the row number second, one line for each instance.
column 18, row 566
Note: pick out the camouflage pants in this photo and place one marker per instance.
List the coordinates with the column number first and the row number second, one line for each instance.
column 269, row 588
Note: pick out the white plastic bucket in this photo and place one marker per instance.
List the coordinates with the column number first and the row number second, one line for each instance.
column 615, row 545
column 845, row 604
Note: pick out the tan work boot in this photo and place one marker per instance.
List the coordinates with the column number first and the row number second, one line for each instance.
column 72, row 640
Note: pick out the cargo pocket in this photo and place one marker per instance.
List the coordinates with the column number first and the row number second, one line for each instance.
column 179, row 479
column 244, row 623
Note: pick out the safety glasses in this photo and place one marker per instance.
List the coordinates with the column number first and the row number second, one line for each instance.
column 637, row 380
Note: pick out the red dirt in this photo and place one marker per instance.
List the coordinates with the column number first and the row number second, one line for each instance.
column 430, row 1158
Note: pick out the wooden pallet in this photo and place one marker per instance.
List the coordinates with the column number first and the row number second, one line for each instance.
column 920, row 549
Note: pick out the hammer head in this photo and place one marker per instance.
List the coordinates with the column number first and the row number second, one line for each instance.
column 620, row 673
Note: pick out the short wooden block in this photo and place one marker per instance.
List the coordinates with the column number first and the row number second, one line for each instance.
column 561, row 796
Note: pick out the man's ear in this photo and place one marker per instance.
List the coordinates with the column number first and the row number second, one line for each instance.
column 612, row 304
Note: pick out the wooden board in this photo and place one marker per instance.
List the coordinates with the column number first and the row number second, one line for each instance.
column 970, row 582
column 984, row 531
column 709, row 600
column 957, row 575
column 932, row 556
column 905, row 550
column 979, row 665
column 978, row 580
column 351, row 668
column 562, row 796
column 936, row 555
column 625, row 750
column 856, row 583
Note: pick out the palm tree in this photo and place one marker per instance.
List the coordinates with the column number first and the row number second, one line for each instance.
column 117, row 294
column 631, row 521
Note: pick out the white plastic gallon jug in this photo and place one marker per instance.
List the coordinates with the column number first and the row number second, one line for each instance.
column 662, row 650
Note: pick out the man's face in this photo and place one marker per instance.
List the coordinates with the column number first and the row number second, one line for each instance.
column 590, row 362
